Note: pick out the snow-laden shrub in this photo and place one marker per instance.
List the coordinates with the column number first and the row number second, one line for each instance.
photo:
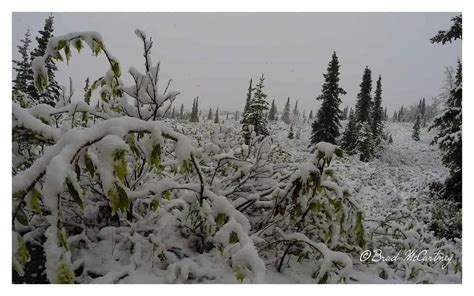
column 313, row 215
column 116, row 178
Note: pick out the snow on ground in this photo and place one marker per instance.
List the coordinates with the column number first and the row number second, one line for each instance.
column 403, row 171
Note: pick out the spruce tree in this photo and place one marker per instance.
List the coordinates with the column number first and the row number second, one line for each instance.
column 209, row 114
column 173, row 113
column 364, row 143
column 51, row 95
column 291, row 134
column 310, row 115
column 273, row 112
column 181, row 112
column 285, row 117
column 326, row 126
column 349, row 137
column 364, row 100
column 296, row 113
column 249, row 98
column 22, row 66
column 395, row 116
column 216, row 117
column 449, row 139
column 195, row 111
column 236, row 115
column 449, row 123
column 416, row 127
column 377, row 114
column 423, row 112
column 345, row 113
column 227, row 116
column 256, row 113
column 401, row 115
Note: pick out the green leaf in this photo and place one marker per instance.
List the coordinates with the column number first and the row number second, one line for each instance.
column 78, row 45
column 62, row 238
column 360, row 230
column 221, row 219
column 61, row 44
column 155, row 158
column 98, row 46
column 123, row 198
column 233, row 238
column 21, row 216
column 74, row 193
column 104, row 95
column 65, row 274
column 67, row 53
column 89, row 165
column 41, row 82
column 324, row 279
column 22, row 256
column 240, row 276
column 155, row 205
column 120, row 164
column 166, row 194
column 116, row 68
column 35, row 197
column 19, row 194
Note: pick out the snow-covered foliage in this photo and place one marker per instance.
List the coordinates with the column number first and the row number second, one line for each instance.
column 113, row 196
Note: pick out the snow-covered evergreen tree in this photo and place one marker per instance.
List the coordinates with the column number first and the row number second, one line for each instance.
column 326, row 126
column 255, row 120
column 248, row 98
column 449, row 122
column 416, row 128
column 296, row 112
column 195, row 111
column 291, row 134
column 345, row 113
column 209, row 114
column 364, row 142
column 423, row 112
column 181, row 112
column 310, row 114
column 272, row 114
column 51, row 95
column 173, row 113
column 377, row 115
column 23, row 78
column 364, row 98
column 285, row 117
column 216, row 116
column 349, row 137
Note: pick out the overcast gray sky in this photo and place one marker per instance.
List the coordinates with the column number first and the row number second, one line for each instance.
column 213, row 55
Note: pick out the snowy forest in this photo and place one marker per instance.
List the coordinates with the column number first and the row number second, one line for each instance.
column 127, row 183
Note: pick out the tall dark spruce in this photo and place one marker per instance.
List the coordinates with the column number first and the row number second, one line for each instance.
column 326, row 126
column 51, row 95
column 248, row 99
column 256, row 113
column 22, row 68
column 285, row 117
column 377, row 115
column 449, row 122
